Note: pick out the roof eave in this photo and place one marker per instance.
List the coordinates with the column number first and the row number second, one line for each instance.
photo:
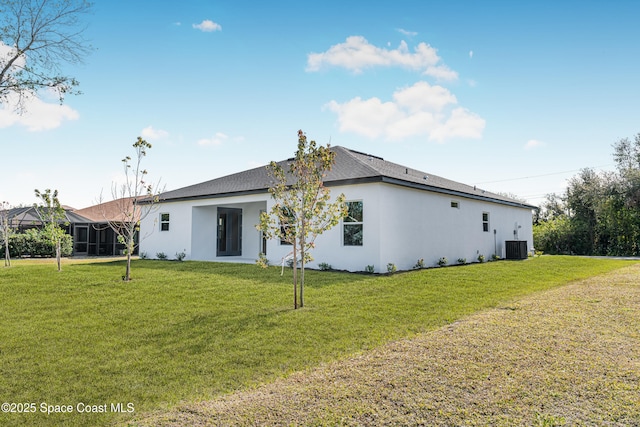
column 206, row 196
column 352, row 181
column 456, row 193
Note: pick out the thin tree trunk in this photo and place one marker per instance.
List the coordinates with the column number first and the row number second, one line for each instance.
column 129, row 246
column 295, row 278
column 58, row 256
column 127, row 274
column 7, row 257
column 302, row 276
column 302, row 244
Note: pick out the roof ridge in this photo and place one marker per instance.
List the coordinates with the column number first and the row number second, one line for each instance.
column 351, row 167
column 356, row 156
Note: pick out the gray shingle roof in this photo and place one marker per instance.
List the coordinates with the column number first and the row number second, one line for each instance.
column 112, row 211
column 28, row 216
column 351, row 167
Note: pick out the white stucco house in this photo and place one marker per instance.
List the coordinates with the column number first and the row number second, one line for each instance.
column 397, row 215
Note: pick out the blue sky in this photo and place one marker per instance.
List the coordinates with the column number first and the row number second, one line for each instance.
column 511, row 96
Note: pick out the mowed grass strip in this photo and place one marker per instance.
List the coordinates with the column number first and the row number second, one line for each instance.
column 567, row 356
column 185, row 332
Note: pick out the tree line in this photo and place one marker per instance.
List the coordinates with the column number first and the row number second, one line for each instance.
column 599, row 212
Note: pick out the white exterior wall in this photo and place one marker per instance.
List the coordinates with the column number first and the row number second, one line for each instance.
column 204, row 230
column 416, row 224
column 193, row 228
column 177, row 239
column 329, row 248
column 400, row 226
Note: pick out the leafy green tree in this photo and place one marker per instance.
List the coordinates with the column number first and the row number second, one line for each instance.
column 36, row 38
column 302, row 208
column 626, row 153
column 584, row 197
column 134, row 200
column 553, row 207
column 600, row 212
column 53, row 219
column 554, row 236
column 627, row 157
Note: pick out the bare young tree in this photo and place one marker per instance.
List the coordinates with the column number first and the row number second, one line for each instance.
column 302, row 210
column 36, row 38
column 134, row 200
column 6, row 231
column 53, row 217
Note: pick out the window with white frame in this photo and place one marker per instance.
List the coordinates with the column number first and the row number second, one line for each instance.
column 164, row 222
column 485, row 222
column 352, row 224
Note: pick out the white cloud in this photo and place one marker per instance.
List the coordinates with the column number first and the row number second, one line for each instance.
column 207, row 26
column 423, row 96
column 7, row 52
column 419, row 123
column 150, row 133
column 470, row 54
column 419, row 110
column 462, row 123
column 407, row 33
column 37, row 116
column 356, row 54
column 369, row 117
column 218, row 139
column 533, row 144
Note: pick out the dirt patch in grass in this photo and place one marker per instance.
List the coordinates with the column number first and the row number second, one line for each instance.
column 569, row 356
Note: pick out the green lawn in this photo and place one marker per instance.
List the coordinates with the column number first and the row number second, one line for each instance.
column 189, row 331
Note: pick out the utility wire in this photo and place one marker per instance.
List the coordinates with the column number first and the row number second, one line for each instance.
column 539, row 176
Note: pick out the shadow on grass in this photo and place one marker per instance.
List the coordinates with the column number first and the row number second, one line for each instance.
column 313, row 278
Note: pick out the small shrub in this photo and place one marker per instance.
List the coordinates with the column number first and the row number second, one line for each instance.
column 391, row 268
column 262, row 260
column 480, row 258
column 370, row 269
column 180, row 256
column 35, row 243
column 290, row 263
column 324, row 266
column 495, row 257
column 462, row 260
column 419, row 265
column 143, row 255
column 161, row 256
column 443, row 261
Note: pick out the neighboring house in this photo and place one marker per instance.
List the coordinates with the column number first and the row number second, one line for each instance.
column 396, row 215
column 24, row 218
column 95, row 237
column 92, row 235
